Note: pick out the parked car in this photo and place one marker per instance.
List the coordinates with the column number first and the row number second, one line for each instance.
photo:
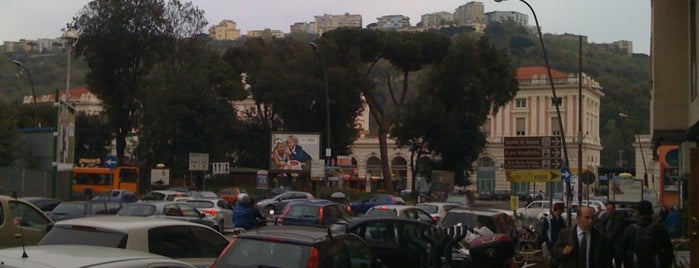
column 185, row 241
column 215, row 209
column 163, row 195
column 71, row 256
column 501, row 195
column 400, row 211
column 533, row 211
column 438, row 209
column 485, row 196
column 124, row 196
column 296, row 246
column 496, row 222
column 209, row 195
column 312, row 212
column 21, row 222
column 361, row 206
column 278, row 202
column 458, row 199
column 46, row 204
column 398, row 242
column 78, row 209
column 168, row 209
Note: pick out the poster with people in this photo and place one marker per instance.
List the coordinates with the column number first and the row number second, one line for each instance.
column 293, row 151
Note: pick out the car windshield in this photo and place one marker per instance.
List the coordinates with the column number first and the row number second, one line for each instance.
column 70, row 208
column 382, row 213
column 137, row 210
column 456, row 199
column 429, row 208
column 84, row 236
column 200, row 204
column 303, row 211
column 258, row 253
column 154, row 196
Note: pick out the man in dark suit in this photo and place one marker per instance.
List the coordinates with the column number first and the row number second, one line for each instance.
column 612, row 225
column 583, row 246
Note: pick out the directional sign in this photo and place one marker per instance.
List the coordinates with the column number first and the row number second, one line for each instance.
column 533, row 175
column 111, row 162
column 522, row 152
column 566, row 174
column 220, row 168
column 551, row 141
column 198, row 162
column 549, row 163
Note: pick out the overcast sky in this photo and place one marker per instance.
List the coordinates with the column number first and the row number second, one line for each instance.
column 602, row 21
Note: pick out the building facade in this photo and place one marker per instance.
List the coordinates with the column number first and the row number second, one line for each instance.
column 329, row 22
column 82, row 99
column 471, row 12
column 392, row 22
column 225, row 30
column 501, row 16
column 437, row 19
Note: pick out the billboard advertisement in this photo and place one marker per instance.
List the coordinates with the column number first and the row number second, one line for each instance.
column 293, row 151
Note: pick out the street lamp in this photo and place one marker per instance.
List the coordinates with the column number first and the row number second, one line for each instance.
column 31, row 82
column 71, row 39
column 328, row 148
column 557, row 103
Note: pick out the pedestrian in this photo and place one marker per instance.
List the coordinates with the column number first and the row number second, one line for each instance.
column 551, row 225
column 646, row 243
column 612, row 224
column 582, row 245
column 664, row 211
column 673, row 222
column 245, row 215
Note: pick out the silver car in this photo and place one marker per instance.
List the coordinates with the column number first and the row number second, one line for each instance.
column 72, row 256
column 216, row 210
column 167, row 209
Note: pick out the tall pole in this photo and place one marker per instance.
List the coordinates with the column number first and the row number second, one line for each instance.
column 580, row 126
column 31, row 82
column 645, row 169
column 328, row 148
column 71, row 39
column 557, row 103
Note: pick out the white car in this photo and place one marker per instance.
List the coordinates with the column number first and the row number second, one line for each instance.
column 437, row 209
column 535, row 209
column 216, row 210
column 72, row 256
column 186, row 241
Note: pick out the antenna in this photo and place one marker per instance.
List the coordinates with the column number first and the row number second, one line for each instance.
column 18, row 222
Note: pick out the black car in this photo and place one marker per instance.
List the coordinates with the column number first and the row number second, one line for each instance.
column 78, row 209
column 400, row 242
column 46, row 204
column 497, row 222
column 312, row 212
column 296, row 246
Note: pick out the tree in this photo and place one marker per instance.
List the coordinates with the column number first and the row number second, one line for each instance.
column 121, row 41
column 8, row 134
column 360, row 50
column 472, row 81
column 92, row 136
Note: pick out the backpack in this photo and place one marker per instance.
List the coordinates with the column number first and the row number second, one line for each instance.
column 644, row 248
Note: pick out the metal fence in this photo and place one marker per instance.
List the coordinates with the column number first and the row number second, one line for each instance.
column 33, row 182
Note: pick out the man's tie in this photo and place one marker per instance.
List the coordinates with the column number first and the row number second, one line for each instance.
column 582, row 252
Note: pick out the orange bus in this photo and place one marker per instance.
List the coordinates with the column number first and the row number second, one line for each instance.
column 89, row 181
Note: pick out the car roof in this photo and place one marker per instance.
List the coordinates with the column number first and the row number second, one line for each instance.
column 483, row 211
column 438, row 204
column 318, row 202
column 351, row 223
column 291, row 234
column 123, row 223
column 76, row 256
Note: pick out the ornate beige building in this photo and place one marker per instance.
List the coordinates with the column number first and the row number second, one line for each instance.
column 225, row 30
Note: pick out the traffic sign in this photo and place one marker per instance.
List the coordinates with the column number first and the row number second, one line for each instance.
column 111, row 162
column 566, row 174
column 550, row 141
column 198, row 162
column 523, row 152
column 220, row 168
column 533, row 175
column 545, row 163
column 588, row 178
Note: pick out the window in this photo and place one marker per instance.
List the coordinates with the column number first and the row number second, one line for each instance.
column 556, row 101
column 520, row 127
column 359, row 253
column 555, row 127
column 521, row 103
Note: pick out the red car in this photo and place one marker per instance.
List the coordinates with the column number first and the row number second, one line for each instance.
column 230, row 195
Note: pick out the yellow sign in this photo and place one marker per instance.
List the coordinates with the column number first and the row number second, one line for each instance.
column 514, row 202
column 534, row 175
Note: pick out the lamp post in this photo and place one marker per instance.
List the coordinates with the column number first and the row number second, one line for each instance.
column 328, row 148
column 31, row 82
column 71, row 39
column 557, row 103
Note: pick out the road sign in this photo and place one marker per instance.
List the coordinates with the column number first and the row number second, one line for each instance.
column 198, row 162
column 533, row 175
column 543, row 152
column 219, row 168
column 111, row 162
column 550, row 141
column 547, row 163
column 566, row 174
column 588, row 178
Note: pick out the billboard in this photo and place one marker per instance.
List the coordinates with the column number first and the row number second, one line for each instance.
column 66, row 138
column 293, row 151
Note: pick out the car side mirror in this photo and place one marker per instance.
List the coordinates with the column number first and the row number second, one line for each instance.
column 201, row 215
